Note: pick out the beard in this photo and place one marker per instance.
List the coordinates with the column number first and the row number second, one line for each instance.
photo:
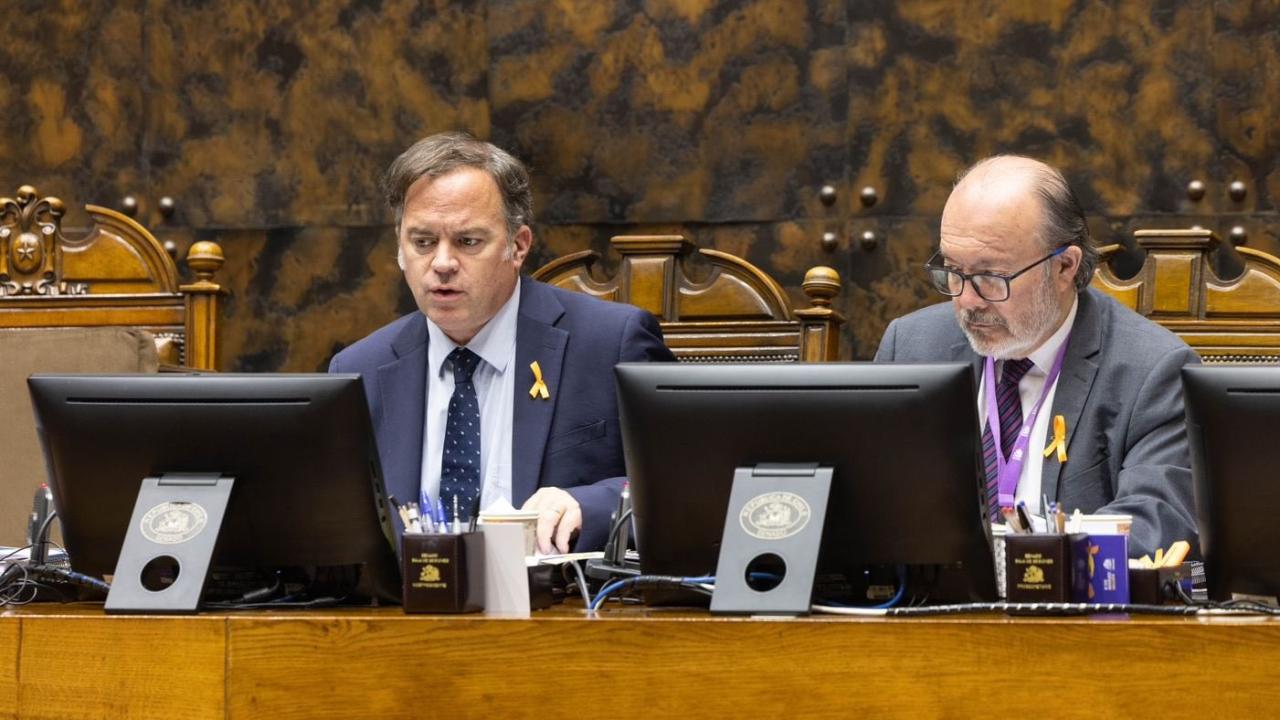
column 1018, row 334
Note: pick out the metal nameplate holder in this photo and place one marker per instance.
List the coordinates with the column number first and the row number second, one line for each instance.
column 775, row 519
column 175, row 526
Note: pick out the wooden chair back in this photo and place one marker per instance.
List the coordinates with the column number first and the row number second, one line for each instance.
column 1226, row 321
column 117, row 274
column 733, row 312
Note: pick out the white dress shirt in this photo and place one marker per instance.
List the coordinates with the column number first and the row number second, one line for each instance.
column 1029, row 389
column 495, row 380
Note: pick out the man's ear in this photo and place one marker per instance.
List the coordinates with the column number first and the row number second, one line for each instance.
column 520, row 245
column 1070, row 263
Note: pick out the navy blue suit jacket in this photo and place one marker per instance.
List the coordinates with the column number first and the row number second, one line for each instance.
column 571, row 441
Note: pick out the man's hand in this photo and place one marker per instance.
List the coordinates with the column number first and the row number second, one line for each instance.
column 559, row 517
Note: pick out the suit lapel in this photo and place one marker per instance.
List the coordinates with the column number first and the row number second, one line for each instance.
column 402, row 385
column 1076, row 379
column 537, row 339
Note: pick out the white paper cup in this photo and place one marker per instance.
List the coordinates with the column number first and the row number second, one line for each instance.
column 526, row 518
column 1106, row 524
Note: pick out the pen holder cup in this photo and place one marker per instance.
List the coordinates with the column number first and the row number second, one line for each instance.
column 442, row 573
column 1046, row 567
column 1154, row 586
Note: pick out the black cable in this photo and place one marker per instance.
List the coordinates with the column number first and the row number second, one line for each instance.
column 70, row 576
column 617, row 525
column 1241, row 605
column 261, row 595
column 43, row 530
column 299, row 605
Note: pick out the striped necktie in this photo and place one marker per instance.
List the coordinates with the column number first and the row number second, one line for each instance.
column 1009, row 403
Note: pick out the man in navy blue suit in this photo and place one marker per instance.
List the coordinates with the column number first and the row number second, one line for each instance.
column 502, row 387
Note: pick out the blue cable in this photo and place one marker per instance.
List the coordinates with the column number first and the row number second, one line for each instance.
column 616, row 585
column 902, row 590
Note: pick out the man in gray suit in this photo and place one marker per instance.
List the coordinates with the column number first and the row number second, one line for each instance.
column 1062, row 368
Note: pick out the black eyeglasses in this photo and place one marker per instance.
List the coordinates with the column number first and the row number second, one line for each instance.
column 991, row 287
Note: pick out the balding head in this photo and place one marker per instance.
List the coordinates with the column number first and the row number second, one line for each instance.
column 1006, row 216
column 1005, row 181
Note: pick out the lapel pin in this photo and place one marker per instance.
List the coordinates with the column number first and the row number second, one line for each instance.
column 539, row 389
column 1059, row 439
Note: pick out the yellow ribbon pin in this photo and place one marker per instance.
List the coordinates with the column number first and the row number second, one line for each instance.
column 539, row 389
column 1059, row 439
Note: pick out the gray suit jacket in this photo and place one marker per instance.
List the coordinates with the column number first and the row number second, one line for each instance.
column 1120, row 393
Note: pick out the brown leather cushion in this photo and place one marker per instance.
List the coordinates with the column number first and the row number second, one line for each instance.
column 55, row 350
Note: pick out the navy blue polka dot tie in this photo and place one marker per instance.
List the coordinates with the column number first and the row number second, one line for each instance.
column 460, row 466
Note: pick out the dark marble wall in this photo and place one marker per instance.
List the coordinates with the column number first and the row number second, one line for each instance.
column 269, row 123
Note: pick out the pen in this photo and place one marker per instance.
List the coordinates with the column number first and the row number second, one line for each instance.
column 1011, row 519
column 457, row 524
column 426, row 513
column 1024, row 518
column 414, row 525
column 404, row 516
column 1177, row 553
column 440, row 518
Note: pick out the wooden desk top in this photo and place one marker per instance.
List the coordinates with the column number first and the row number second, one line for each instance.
column 628, row 662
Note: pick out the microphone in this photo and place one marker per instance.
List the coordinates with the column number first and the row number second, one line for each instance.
column 41, row 506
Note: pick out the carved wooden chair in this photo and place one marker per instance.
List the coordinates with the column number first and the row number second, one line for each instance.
column 736, row 313
column 117, row 275
column 109, row 301
column 1226, row 321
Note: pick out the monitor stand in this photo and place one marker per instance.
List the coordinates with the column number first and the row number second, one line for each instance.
column 169, row 544
column 772, row 534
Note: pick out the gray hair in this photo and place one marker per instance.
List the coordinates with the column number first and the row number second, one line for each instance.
column 1064, row 223
column 439, row 154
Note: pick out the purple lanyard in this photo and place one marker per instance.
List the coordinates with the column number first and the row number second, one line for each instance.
column 1009, row 471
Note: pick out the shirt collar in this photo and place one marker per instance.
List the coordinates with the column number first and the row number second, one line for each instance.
column 494, row 342
column 1043, row 356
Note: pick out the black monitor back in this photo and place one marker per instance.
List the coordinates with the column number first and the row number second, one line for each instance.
column 903, row 441
column 308, row 489
column 1232, row 417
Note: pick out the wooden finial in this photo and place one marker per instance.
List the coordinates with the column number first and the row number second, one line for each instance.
column 821, row 283
column 204, row 258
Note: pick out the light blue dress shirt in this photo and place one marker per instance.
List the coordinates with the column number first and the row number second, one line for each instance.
column 494, row 379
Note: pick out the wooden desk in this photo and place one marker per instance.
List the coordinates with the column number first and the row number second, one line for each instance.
column 75, row 662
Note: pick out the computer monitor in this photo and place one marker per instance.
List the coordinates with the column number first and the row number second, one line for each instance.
column 307, row 490
column 1232, row 414
column 902, row 438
